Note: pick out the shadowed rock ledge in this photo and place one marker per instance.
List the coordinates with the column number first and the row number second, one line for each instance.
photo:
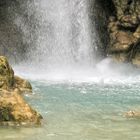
column 124, row 31
column 13, row 108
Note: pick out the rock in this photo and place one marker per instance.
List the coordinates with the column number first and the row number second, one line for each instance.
column 120, row 57
column 129, row 21
column 13, row 108
column 121, row 41
column 124, row 31
column 136, row 59
column 6, row 74
column 132, row 114
column 22, row 84
column 127, row 12
column 137, row 33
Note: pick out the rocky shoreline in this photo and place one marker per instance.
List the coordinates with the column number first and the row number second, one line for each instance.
column 13, row 108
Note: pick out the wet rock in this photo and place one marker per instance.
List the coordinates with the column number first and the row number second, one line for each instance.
column 136, row 59
column 13, row 108
column 127, row 12
column 136, row 34
column 121, row 41
column 8, row 80
column 129, row 21
column 22, row 84
column 120, row 57
column 124, row 31
column 6, row 74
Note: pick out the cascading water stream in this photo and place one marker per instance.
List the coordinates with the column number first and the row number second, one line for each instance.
column 64, row 35
column 62, row 40
column 62, row 43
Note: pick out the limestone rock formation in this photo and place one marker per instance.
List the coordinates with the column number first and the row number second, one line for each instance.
column 124, row 30
column 13, row 108
column 15, row 111
column 8, row 80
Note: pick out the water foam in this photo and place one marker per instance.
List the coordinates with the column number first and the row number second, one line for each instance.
column 105, row 72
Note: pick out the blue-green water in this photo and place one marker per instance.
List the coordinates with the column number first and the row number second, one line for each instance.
column 82, row 111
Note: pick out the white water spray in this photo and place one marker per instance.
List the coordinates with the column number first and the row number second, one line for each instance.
column 62, row 44
column 63, row 35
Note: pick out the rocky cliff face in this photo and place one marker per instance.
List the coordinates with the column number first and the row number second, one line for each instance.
column 124, row 31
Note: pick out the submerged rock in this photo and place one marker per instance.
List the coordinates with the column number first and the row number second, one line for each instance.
column 132, row 114
column 13, row 108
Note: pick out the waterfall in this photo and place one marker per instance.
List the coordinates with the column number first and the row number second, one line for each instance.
column 60, row 39
column 62, row 35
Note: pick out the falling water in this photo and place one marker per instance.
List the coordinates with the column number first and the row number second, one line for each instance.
column 62, row 36
column 61, row 39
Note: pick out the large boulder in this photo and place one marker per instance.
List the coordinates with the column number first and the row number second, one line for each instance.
column 13, row 108
column 15, row 111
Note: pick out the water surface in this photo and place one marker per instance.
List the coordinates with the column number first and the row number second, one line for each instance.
column 84, row 111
